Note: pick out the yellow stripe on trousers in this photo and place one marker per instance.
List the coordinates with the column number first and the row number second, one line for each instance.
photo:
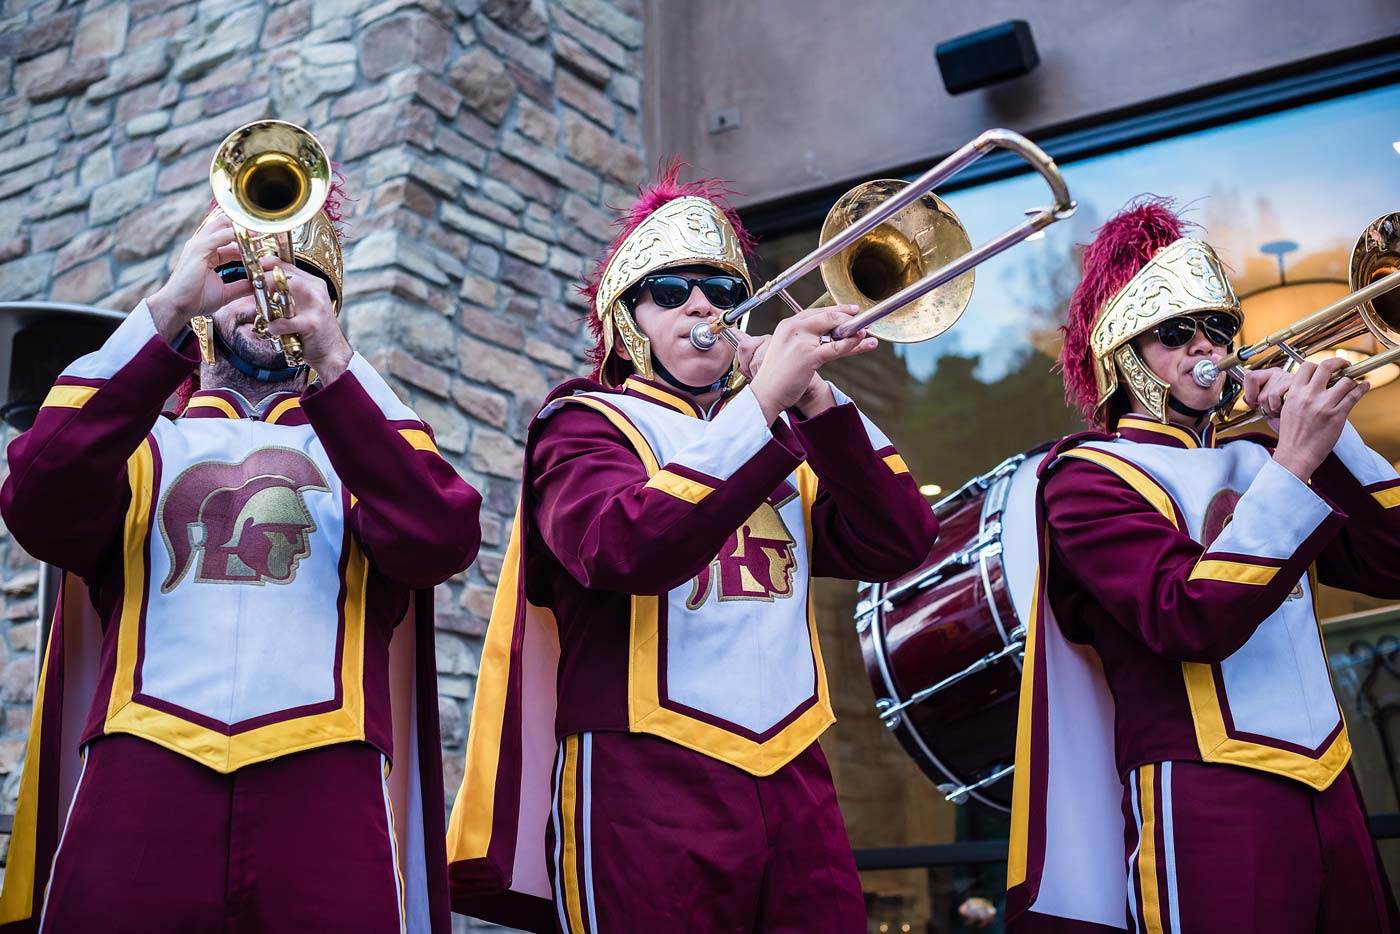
column 1151, row 902
column 568, row 812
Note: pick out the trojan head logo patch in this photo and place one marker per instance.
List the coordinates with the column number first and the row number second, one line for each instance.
column 1220, row 513
column 243, row 523
column 756, row 563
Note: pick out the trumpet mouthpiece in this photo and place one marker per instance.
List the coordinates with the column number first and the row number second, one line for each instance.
column 1205, row 373
column 703, row 336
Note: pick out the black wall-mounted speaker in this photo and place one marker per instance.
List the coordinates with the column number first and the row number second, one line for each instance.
column 978, row 59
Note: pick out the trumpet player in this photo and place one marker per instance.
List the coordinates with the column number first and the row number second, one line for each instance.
column 1182, row 760
column 224, row 739
column 643, row 753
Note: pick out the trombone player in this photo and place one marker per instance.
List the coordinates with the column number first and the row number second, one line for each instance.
column 1182, row 760
column 232, row 671
column 643, row 751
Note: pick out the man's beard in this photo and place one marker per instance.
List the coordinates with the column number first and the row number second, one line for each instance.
column 255, row 350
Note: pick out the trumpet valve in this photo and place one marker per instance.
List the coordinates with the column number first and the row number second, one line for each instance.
column 1205, row 373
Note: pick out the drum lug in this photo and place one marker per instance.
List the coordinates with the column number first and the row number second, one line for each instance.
column 888, row 711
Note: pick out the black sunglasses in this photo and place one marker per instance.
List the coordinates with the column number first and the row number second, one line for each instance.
column 672, row 291
column 1220, row 329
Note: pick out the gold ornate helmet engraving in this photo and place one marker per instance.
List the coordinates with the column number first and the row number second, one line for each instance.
column 1183, row 278
column 684, row 231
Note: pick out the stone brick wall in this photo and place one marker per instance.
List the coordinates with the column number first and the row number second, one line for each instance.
column 482, row 141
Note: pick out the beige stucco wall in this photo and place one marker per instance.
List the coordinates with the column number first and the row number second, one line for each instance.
column 830, row 90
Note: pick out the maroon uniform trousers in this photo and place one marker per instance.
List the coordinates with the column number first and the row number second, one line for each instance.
column 158, row 843
column 649, row 836
column 1213, row 848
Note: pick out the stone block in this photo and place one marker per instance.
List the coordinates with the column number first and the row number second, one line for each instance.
column 481, row 404
column 548, row 162
column 528, row 19
column 482, row 80
column 627, row 90
column 456, row 655
column 518, row 177
column 153, row 28
column 87, row 244
column 450, row 426
column 23, row 637
column 548, row 353
column 27, row 277
column 43, row 34
column 526, row 247
column 17, row 682
column 478, row 290
column 472, row 224
column 452, row 725
column 572, row 54
column 122, row 195
column 402, row 40
column 285, row 23
column 587, row 144
column 529, row 278
column 426, row 335
column 533, row 58
column 417, row 373
column 427, row 89
column 102, row 32
column 148, row 124
column 47, row 234
column 21, row 585
column 386, row 125
column 64, row 81
column 595, row 41
column 456, row 146
column 586, row 98
column 221, row 39
column 13, row 247
column 192, row 169
column 503, row 369
column 135, row 154
column 83, row 284
column 153, row 228
column 496, row 454
column 19, row 156
column 605, row 16
column 537, row 123
column 493, row 326
column 356, row 101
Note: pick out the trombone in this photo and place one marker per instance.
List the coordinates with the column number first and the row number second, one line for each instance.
column 270, row 177
column 877, row 266
column 1374, row 272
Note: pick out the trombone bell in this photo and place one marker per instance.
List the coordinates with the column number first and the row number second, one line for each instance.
column 920, row 238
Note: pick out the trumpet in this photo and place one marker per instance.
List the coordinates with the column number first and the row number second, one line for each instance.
column 873, row 256
column 1374, row 272
column 270, row 177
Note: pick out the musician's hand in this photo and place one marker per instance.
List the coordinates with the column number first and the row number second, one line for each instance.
column 1314, row 414
column 1266, row 389
column 795, row 353
column 752, row 349
column 193, row 287
column 313, row 321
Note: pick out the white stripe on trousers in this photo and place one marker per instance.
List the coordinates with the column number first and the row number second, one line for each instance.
column 393, row 841
column 1169, row 845
column 559, row 842
column 63, row 835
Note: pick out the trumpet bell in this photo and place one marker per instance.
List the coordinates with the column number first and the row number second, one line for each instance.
column 270, row 176
column 1375, row 256
column 922, row 237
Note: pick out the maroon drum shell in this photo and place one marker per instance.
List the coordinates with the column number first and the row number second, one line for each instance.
column 937, row 631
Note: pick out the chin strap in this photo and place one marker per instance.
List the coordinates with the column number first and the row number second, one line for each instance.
column 1197, row 414
column 665, row 374
column 280, row 375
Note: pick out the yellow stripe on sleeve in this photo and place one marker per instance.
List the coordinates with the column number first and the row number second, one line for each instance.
column 692, row 491
column 1233, row 572
column 419, row 439
column 1387, row 497
column 896, row 464
column 68, row 397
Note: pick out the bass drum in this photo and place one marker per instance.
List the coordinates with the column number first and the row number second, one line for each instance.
column 943, row 644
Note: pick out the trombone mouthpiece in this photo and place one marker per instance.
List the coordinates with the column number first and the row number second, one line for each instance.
column 702, row 336
column 1205, row 373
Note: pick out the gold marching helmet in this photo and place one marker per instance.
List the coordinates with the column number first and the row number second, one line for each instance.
column 1138, row 272
column 682, row 231
column 1183, row 279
